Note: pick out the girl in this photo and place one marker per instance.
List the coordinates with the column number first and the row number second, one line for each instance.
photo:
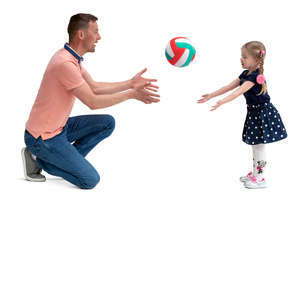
column 263, row 123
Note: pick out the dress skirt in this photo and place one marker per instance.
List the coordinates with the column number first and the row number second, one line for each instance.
column 263, row 125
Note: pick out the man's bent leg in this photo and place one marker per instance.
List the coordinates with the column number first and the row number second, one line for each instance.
column 59, row 158
column 89, row 130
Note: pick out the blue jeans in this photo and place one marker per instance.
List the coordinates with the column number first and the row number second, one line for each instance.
column 64, row 154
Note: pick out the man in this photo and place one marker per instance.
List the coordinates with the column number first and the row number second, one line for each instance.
column 58, row 143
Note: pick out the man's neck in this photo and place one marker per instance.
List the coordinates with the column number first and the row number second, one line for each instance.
column 79, row 50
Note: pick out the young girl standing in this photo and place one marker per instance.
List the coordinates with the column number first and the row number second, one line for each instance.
column 263, row 123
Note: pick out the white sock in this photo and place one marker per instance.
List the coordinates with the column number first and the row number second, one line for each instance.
column 259, row 160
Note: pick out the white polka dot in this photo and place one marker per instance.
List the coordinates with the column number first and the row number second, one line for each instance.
column 275, row 132
column 273, row 139
column 266, row 125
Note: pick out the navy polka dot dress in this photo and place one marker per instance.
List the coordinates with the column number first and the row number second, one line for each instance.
column 263, row 123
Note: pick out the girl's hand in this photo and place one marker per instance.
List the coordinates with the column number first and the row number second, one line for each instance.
column 219, row 103
column 205, row 98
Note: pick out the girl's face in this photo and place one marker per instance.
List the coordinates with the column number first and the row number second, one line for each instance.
column 248, row 61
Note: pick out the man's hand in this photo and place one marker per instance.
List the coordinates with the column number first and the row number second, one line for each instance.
column 139, row 82
column 145, row 96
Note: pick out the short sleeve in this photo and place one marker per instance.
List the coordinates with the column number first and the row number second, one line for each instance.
column 69, row 75
column 242, row 75
column 251, row 77
column 82, row 69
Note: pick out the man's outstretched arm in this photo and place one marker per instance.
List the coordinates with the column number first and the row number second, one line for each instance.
column 102, row 88
column 86, row 95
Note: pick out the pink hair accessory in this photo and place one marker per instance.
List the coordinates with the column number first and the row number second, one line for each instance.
column 262, row 52
column 260, row 79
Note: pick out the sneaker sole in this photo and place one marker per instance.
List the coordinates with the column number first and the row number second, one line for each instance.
column 244, row 180
column 254, row 188
column 24, row 169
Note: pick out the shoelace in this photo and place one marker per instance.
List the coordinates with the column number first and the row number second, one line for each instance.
column 254, row 179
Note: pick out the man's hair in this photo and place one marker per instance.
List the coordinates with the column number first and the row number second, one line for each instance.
column 79, row 21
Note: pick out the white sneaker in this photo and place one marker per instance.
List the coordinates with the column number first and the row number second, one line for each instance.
column 255, row 183
column 246, row 178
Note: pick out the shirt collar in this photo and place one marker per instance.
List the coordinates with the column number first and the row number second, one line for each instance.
column 73, row 52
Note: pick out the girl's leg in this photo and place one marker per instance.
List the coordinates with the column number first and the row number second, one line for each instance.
column 259, row 160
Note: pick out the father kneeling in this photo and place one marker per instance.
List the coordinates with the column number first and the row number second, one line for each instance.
column 57, row 143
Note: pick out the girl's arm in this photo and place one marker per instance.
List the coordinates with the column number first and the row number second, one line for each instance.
column 235, row 83
column 247, row 85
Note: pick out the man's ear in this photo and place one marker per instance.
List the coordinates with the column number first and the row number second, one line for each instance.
column 80, row 34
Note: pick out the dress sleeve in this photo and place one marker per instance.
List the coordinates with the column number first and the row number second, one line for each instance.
column 69, row 75
column 242, row 74
column 252, row 77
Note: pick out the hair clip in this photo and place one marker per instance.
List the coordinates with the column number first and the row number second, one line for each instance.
column 262, row 52
column 260, row 79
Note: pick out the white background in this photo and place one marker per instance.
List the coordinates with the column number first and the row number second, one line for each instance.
column 169, row 219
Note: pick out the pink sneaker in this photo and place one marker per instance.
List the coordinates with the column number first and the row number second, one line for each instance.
column 255, row 183
column 246, row 178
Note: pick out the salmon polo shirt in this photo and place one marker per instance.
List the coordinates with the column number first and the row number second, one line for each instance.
column 54, row 101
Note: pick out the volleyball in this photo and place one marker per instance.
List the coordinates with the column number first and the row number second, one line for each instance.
column 180, row 52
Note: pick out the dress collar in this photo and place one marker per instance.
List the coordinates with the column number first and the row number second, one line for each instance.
column 73, row 52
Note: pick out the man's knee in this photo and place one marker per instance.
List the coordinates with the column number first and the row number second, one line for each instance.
column 111, row 123
column 89, row 182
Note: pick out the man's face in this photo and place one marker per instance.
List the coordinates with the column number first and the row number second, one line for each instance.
column 91, row 37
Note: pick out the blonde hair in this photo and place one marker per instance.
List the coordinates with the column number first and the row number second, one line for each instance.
column 257, row 50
